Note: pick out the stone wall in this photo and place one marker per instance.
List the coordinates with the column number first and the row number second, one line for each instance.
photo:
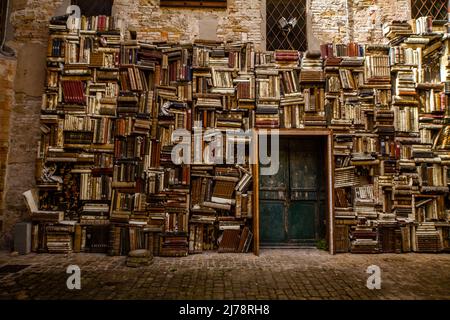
column 369, row 17
column 7, row 75
column 243, row 19
column 22, row 77
column 25, row 79
column 330, row 20
column 354, row 20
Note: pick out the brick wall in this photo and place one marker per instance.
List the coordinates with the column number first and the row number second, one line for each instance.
column 22, row 78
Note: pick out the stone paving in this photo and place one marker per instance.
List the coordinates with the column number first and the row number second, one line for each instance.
column 275, row 274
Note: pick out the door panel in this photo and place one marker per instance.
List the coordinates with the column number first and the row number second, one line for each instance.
column 275, row 187
column 304, row 170
column 273, row 192
column 301, row 217
column 272, row 228
column 304, row 180
column 321, row 229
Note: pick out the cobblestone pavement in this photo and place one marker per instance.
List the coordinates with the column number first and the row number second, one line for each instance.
column 275, row 274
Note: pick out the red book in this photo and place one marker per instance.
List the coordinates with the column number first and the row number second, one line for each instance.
column 76, row 92
column 101, row 23
column 70, row 92
column 330, row 50
column 324, row 51
column 81, row 90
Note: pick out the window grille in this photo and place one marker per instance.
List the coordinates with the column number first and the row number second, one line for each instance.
column 276, row 38
column 434, row 8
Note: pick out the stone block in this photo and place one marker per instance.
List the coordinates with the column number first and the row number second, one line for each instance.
column 30, row 75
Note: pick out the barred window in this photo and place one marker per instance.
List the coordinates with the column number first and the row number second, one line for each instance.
column 289, row 37
column 434, row 8
column 91, row 8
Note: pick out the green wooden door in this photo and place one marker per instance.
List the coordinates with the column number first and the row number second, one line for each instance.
column 291, row 201
column 273, row 191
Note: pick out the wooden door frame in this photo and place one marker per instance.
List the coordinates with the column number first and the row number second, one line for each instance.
column 329, row 161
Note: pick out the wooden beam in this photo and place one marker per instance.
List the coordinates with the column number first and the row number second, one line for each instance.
column 304, row 132
column 194, row 4
column 330, row 192
column 256, row 193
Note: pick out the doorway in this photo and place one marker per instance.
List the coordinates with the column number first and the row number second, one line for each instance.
column 292, row 202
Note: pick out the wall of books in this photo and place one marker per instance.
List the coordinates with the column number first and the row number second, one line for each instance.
column 106, row 181
column 110, row 116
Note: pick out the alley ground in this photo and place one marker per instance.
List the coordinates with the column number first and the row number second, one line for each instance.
column 275, row 274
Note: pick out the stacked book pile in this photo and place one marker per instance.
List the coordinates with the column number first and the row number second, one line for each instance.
column 91, row 238
column 223, row 189
column 137, row 258
column 384, row 122
column 95, row 214
column 403, row 191
column 352, row 62
column 377, row 68
column 287, row 58
column 405, row 87
column 390, row 237
column 292, row 100
column 364, row 202
column 334, row 50
column 343, row 208
column 201, row 236
column 268, row 97
column 428, row 239
column 345, row 177
column 173, row 245
column 59, row 238
column 176, row 208
column 312, row 82
column 396, row 31
column 312, row 67
column 230, row 241
column 364, row 238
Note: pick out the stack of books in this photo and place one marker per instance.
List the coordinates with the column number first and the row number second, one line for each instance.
column 173, row 245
